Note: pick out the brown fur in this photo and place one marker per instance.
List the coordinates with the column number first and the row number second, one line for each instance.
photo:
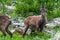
column 4, row 24
column 33, row 23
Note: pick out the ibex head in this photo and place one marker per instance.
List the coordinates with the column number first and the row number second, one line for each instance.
column 43, row 11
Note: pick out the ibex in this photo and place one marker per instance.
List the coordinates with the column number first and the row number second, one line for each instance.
column 4, row 24
column 35, row 22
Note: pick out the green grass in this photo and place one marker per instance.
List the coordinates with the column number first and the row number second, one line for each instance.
column 16, row 36
column 40, row 36
column 57, row 28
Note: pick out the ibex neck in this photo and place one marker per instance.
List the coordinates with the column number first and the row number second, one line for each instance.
column 43, row 14
column 44, row 18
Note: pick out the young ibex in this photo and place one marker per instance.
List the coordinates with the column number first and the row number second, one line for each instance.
column 35, row 22
column 4, row 24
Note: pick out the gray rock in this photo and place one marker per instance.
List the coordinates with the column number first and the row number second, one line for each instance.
column 56, row 36
column 18, row 22
column 55, row 22
column 49, row 31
